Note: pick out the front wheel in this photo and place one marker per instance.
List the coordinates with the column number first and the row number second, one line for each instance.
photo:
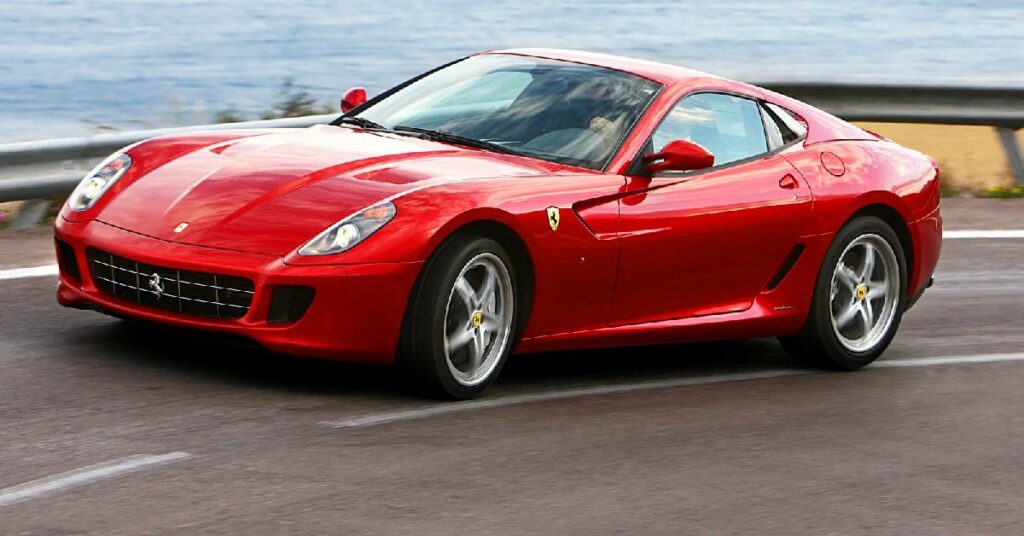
column 859, row 298
column 462, row 318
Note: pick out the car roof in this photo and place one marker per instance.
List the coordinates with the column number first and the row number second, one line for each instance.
column 822, row 126
column 659, row 72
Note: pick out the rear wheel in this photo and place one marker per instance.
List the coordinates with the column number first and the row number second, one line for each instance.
column 859, row 298
column 461, row 323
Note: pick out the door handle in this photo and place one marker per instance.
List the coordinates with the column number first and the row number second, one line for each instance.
column 788, row 182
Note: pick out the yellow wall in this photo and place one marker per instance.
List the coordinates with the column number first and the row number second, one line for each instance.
column 971, row 158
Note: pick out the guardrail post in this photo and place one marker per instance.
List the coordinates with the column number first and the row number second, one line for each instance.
column 1008, row 136
column 31, row 213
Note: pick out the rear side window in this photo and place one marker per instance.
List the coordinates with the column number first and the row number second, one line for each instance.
column 786, row 121
column 773, row 130
column 728, row 126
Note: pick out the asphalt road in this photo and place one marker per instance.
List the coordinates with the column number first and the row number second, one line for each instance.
column 717, row 438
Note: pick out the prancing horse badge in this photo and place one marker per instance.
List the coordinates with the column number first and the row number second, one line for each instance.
column 553, row 218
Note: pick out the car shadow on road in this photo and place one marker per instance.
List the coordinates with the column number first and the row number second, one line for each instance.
column 249, row 366
column 644, row 363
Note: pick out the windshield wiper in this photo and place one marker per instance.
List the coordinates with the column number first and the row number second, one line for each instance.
column 360, row 122
column 448, row 137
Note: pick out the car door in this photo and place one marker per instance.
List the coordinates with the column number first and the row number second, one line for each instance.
column 709, row 241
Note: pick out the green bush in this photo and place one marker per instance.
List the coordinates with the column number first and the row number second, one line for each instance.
column 1004, row 192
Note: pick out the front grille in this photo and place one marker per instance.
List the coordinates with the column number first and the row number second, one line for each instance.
column 171, row 289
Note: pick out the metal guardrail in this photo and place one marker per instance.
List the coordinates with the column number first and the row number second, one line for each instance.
column 34, row 152
column 946, row 105
column 999, row 107
column 28, row 177
column 46, row 183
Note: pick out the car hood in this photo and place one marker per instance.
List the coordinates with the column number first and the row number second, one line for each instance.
column 271, row 193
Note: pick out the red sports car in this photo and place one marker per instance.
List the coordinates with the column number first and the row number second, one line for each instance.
column 522, row 200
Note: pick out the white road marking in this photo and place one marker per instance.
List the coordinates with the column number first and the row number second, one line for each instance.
column 1011, row 233
column 376, row 419
column 84, row 475
column 474, row 405
column 953, row 360
column 36, row 271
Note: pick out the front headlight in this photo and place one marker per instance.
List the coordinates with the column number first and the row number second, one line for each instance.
column 98, row 181
column 350, row 231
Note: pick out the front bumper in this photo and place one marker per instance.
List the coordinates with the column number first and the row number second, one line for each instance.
column 356, row 314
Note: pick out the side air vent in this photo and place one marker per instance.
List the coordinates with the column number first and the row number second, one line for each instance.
column 787, row 265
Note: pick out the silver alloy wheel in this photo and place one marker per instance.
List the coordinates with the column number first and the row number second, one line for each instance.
column 478, row 319
column 865, row 292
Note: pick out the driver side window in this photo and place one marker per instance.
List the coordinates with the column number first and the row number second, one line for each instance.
column 728, row 126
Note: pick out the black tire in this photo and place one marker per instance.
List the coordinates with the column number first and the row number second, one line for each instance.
column 818, row 344
column 422, row 355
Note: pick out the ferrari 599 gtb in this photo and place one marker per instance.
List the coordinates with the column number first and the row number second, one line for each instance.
column 516, row 201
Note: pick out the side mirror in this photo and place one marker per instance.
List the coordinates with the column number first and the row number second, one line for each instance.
column 352, row 98
column 679, row 155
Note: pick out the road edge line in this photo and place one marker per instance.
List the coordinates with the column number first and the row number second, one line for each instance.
column 24, row 273
column 84, row 475
column 377, row 419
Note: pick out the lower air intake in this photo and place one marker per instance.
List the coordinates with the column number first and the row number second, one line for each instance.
column 289, row 303
column 66, row 260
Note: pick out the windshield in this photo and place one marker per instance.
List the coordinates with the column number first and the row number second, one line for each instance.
column 558, row 111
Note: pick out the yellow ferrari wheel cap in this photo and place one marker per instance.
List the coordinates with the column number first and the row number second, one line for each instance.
column 478, row 318
column 862, row 292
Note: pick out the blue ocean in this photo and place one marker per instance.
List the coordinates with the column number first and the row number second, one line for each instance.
column 75, row 67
